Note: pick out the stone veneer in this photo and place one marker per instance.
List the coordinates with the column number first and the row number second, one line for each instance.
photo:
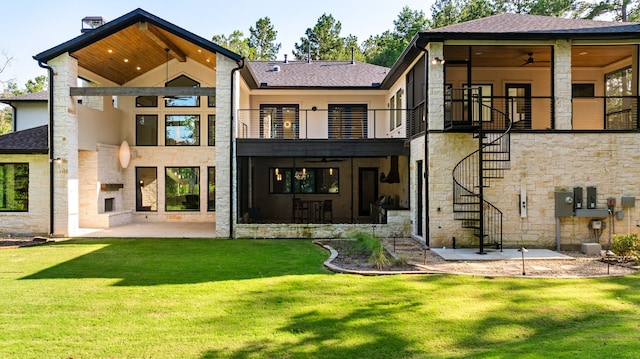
column 36, row 219
column 545, row 163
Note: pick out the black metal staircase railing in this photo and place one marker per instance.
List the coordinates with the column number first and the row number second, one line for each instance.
column 477, row 170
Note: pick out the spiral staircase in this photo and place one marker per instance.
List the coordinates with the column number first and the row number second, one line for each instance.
column 479, row 169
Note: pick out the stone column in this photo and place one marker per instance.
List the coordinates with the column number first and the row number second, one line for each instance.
column 65, row 142
column 435, row 87
column 562, row 84
column 224, row 192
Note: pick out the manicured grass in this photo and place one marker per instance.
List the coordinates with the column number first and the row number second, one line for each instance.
column 176, row 298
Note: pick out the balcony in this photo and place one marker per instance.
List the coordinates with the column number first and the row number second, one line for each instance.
column 598, row 113
column 352, row 123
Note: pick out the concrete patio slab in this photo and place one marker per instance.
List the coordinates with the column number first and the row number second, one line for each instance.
column 154, row 230
column 471, row 254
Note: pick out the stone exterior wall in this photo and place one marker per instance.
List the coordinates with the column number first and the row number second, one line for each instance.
column 544, row 163
column 65, row 143
column 36, row 220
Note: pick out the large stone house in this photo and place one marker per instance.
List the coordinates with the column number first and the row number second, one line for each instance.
column 481, row 134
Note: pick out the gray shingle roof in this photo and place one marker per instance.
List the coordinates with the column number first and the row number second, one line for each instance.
column 316, row 74
column 521, row 23
column 32, row 140
column 35, row 96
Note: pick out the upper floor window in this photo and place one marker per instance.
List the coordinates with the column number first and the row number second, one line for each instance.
column 182, row 101
column 146, row 130
column 182, row 130
column 619, row 100
column 147, row 101
column 279, row 121
column 347, row 121
column 14, row 187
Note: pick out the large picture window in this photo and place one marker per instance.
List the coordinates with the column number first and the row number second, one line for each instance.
column 348, row 121
column 146, row 130
column 146, row 189
column 182, row 130
column 304, row 180
column 14, row 187
column 182, row 188
column 620, row 104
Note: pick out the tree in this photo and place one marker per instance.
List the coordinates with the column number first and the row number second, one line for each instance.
column 323, row 41
column 235, row 42
column 536, row 7
column 385, row 49
column 262, row 40
column 619, row 10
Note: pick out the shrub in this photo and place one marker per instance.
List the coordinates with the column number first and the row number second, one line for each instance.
column 373, row 248
column 626, row 247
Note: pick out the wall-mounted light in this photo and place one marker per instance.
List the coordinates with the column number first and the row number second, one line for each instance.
column 124, row 154
column 330, row 171
column 58, row 160
column 437, row 61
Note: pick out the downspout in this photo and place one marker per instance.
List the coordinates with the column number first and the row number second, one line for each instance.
column 232, row 149
column 51, row 211
column 427, row 231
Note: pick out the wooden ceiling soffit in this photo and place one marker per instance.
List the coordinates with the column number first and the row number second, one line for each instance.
column 159, row 38
column 142, row 91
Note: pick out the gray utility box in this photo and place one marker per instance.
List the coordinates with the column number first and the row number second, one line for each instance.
column 628, row 201
column 564, row 204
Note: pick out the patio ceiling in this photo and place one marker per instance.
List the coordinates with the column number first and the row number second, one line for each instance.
column 136, row 49
column 514, row 56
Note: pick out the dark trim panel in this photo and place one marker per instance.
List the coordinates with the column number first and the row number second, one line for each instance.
column 322, row 148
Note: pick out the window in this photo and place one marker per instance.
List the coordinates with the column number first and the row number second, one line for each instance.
column 182, row 101
column 279, row 121
column 211, row 101
column 392, row 113
column 146, row 130
column 211, row 119
column 211, row 200
column 182, row 130
column 582, row 90
column 147, row 101
column 398, row 108
column 348, row 121
column 14, row 187
column 182, row 188
column 146, row 189
column 619, row 103
column 304, row 180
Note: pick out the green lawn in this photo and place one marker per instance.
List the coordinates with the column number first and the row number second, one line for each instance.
column 176, row 298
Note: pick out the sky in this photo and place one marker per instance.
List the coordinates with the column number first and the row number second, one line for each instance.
column 30, row 27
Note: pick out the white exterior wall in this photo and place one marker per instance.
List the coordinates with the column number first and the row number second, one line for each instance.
column 30, row 114
column 36, row 220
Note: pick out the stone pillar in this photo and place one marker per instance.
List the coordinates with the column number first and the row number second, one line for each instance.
column 435, row 87
column 562, row 85
column 65, row 143
column 224, row 192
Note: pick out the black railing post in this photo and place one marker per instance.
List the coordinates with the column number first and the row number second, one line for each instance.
column 480, row 173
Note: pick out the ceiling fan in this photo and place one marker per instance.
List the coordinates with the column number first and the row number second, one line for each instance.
column 169, row 97
column 325, row 160
column 530, row 61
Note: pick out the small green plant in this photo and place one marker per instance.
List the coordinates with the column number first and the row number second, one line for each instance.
column 627, row 247
column 400, row 261
column 373, row 248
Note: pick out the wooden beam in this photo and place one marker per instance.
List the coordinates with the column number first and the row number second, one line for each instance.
column 142, row 91
column 158, row 37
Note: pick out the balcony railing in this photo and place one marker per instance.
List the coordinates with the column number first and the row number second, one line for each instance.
column 527, row 113
column 326, row 124
column 536, row 112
